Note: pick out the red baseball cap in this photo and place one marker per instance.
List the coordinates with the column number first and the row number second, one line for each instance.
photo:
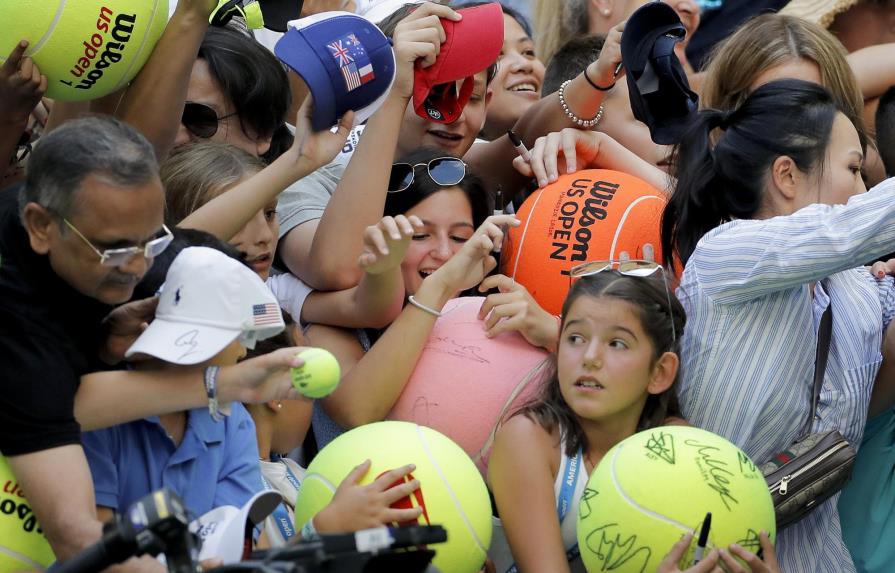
column 470, row 46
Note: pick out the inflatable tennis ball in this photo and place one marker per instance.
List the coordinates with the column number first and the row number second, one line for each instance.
column 23, row 546
column 590, row 215
column 320, row 374
column 451, row 493
column 86, row 48
column 654, row 487
column 465, row 383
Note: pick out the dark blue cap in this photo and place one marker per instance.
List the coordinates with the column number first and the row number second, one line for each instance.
column 660, row 93
column 346, row 61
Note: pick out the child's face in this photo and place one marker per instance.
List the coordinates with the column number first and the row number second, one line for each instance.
column 258, row 239
column 604, row 360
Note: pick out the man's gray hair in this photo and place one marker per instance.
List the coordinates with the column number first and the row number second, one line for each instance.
column 94, row 145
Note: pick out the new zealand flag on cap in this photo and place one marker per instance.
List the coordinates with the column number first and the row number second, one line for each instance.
column 352, row 60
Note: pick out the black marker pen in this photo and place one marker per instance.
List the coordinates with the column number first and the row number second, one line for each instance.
column 520, row 147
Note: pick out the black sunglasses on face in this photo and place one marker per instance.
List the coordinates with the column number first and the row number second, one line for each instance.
column 444, row 171
column 201, row 120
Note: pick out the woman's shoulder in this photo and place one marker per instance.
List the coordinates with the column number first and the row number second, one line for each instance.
column 522, row 431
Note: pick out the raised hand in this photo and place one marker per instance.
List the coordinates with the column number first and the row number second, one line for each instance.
column 21, row 86
column 355, row 507
column 418, row 37
column 386, row 243
column 472, row 263
column 514, row 309
column 311, row 149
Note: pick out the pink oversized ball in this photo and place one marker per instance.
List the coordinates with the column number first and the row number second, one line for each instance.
column 465, row 382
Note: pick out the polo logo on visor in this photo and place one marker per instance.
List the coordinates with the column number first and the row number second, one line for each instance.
column 353, row 62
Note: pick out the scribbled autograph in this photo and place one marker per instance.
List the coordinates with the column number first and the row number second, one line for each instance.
column 187, row 340
column 584, row 508
column 714, row 471
column 447, row 345
column 662, row 445
column 615, row 550
column 751, row 542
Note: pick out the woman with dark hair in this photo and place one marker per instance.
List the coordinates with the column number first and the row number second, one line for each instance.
column 429, row 244
column 771, row 221
column 238, row 93
column 520, row 74
column 614, row 373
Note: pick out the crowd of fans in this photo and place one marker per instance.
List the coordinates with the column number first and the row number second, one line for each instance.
column 129, row 226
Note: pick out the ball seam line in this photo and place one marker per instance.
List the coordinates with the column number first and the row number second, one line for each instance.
column 450, row 490
column 621, row 223
column 322, row 479
column 21, row 557
column 637, row 506
column 46, row 37
column 524, row 232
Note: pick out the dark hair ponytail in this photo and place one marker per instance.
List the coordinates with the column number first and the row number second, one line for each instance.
column 723, row 178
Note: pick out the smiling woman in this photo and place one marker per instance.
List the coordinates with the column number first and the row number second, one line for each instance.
column 448, row 204
column 520, row 74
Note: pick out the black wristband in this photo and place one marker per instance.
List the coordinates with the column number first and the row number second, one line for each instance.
column 595, row 86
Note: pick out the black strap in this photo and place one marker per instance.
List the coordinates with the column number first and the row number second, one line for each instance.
column 824, row 333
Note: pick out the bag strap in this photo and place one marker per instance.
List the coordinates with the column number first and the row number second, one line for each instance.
column 824, row 333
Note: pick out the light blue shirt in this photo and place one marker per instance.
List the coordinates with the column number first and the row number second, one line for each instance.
column 216, row 463
column 749, row 345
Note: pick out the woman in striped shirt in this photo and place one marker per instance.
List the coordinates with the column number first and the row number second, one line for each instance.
column 771, row 221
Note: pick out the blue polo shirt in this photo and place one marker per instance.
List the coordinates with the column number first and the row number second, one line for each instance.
column 216, row 463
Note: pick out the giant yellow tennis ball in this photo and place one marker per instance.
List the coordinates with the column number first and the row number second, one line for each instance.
column 22, row 543
column 452, row 492
column 654, row 487
column 86, row 48
column 319, row 375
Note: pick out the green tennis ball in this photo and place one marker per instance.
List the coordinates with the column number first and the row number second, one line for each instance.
column 452, row 493
column 23, row 545
column 655, row 486
column 86, row 48
column 320, row 374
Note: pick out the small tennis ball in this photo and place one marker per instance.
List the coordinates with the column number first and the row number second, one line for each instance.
column 320, row 374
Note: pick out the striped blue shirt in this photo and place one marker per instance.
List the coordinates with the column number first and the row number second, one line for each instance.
column 749, row 345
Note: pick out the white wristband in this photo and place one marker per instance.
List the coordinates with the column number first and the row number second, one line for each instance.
column 423, row 307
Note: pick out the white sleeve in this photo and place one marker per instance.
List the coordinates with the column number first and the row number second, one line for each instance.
column 290, row 292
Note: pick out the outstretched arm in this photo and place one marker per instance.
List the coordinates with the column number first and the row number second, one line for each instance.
column 359, row 199
column 225, row 215
column 370, row 387
column 493, row 161
column 154, row 100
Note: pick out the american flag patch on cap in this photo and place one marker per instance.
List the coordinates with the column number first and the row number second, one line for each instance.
column 266, row 314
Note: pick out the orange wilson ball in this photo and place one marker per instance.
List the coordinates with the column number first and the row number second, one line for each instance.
column 590, row 215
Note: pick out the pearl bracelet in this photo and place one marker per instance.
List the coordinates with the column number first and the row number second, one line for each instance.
column 586, row 123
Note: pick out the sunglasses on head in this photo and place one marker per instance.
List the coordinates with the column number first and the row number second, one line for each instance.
column 629, row 267
column 201, row 120
column 444, row 171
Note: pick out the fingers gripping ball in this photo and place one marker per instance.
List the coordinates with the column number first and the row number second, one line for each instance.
column 86, row 48
column 320, row 374
column 654, row 487
column 22, row 543
column 584, row 216
column 452, row 492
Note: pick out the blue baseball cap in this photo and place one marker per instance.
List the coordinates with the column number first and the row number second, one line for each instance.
column 657, row 84
column 346, row 61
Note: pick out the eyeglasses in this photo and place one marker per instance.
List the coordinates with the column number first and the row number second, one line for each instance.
column 201, row 120
column 120, row 257
column 444, row 171
column 632, row 268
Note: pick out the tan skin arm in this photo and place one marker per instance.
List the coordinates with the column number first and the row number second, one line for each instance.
column 523, row 491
